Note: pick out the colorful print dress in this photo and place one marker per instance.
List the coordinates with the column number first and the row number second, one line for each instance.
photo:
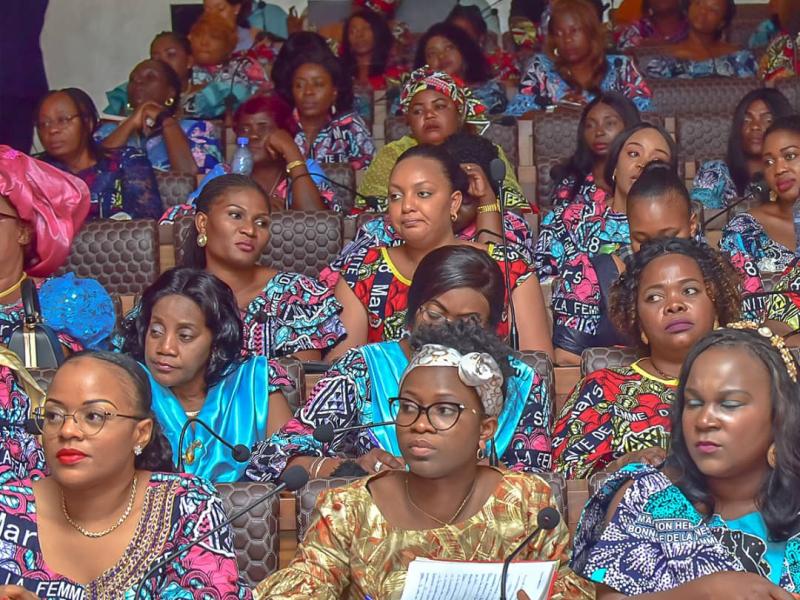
column 611, row 412
column 383, row 290
column 177, row 509
column 569, row 190
column 782, row 59
column 632, row 36
column 740, row 64
column 785, row 308
column 349, row 393
column 345, row 139
column 351, row 552
column 657, row 540
column 713, row 185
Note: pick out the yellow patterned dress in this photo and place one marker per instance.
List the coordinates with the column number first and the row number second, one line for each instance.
column 351, row 552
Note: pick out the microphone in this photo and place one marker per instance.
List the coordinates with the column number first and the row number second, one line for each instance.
column 241, row 453
column 293, row 479
column 497, row 171
column 372, row 201
column 758, row 190
column 547, row 520
column 326, row 432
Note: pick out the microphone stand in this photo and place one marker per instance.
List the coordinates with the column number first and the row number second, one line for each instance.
column 238, row 450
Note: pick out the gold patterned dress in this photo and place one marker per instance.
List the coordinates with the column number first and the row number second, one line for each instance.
column 351, row 552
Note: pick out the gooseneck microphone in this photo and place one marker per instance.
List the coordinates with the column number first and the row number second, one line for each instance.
column 757, row 190
column 293, row 479
column 241, row 453
column 547, row 520
column 325, row 432
column 372, row 202
column 497, row 171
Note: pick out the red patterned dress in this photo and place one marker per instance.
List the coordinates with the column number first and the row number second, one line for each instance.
column 383, row 290
column 611, row 412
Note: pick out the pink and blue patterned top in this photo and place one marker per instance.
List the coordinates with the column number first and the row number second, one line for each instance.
column 569, row 190
column 20, row 451
column 345, row 139
column 177, row 509
column 741, row 64
column 632, row 36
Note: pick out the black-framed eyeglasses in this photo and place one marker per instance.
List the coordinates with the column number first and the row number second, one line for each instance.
column 89, row 419
column 441, row 415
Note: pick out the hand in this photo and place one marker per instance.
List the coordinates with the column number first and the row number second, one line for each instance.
column 572, row 98
column 14, row 592
column 145, row 115
column 650, row 456
column 371, row 458
column 479, row 186
column 279, row 144
column 737, row 586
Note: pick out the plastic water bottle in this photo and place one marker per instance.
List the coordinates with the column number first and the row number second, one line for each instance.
column 242, row 162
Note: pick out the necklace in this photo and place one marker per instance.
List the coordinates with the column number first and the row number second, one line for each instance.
column 661, row 373
column 10, row 290
column 430, row 516
column 99, row 534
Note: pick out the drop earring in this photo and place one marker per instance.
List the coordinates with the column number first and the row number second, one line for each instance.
column 202, row 239
column 773, row 196
column 772, row 456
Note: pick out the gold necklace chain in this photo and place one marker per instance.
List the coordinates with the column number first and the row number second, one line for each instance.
column 15, row 287
column 430, row 516
column 99, row 534
column 660, row 372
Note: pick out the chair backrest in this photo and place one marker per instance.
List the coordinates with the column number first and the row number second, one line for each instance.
column 555, row 135
column 175, row 187
column 679, row 96
column 306, row 499
column 558, row 485
column 593, row 359
column 394, row 128
column 791, row 89
column 43, row 377
column 365, row 96
column 544, row 181
column 702, row 136
column 256, row 536
column 294, row 368
column 121, row 255
column 343, row 174
column 300, row 242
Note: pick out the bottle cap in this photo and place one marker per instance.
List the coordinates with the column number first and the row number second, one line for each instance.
column 242, row 141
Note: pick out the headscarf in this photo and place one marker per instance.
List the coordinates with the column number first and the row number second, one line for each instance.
column 54, row 202
column 425, row 78
column 384, row 7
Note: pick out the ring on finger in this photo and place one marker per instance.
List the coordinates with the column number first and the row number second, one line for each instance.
column 378, row 465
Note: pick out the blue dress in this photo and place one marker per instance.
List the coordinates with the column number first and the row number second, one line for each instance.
column 740, row 64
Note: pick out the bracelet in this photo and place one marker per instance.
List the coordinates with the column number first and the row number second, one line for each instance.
column 489, row 208
column 294, row 164
column 316, row 466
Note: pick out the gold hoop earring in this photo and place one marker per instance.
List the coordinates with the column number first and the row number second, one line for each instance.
column 202, row 239
column 480, row 454
column 645, row 339
column 773, row 196
column 555, row 52
column 772, row 456
column 169, row 102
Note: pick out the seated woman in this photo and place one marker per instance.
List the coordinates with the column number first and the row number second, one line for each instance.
column 450, row 284
column 445, row 47
column 581, row 177
column 366, row 46
column 704, row 52
column 469, row 18
column 672, row 293
column 780, row 61
column 111, row 507
column 172, row 142
column 722, row 518
column 442, row 503
column 763, row 239
column 189, row 336
column 575, row 65
column 720, row 183
column 658, row 206
column 436, row 107
column 41, row 211
column 425, row 192
column 321, row 92
column 579, row 229
column 121, row 180
column 665, row 23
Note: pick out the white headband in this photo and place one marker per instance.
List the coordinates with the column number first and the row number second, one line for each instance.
column 476, row 369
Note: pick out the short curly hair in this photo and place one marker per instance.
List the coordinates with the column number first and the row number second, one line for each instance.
column 721, row 280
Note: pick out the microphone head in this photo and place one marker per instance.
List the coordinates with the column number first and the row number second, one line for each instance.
column 760, row 188
column 295, row 477
column 241, row 453
column 548, row 518
column 324, row 433
column 497, row 170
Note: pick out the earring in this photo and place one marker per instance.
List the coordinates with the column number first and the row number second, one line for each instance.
column 773, row 196
column 202, row 239
column 129, row 107
column 555, row 52
column 453, row 217
column 772, row 457
column 169, row 102
column 480, row 454
column 137, row 450
column 614, row 177
column 333, row 108
column 644, row 339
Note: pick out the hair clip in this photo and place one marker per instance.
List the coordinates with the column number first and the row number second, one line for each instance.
column 776, row 340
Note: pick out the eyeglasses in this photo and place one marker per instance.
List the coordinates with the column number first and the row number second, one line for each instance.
column 441, row 415
column 59, row 122
column 433, row 316
column 90, row 420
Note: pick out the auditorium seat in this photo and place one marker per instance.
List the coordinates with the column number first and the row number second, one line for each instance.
column 174, row 187
column 294, row 368
column 306, row 499
column 791, row 89
column 543, row 366
column 558, row 485
column 121, row 255
column 43, row 377
column 301, row 242
column 366, row 96
column 343, row 174
column 701, row 137
column 679, row 96
column 256, row 536
column 593, row 359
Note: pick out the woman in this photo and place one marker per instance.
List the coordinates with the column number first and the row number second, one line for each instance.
column 237, row 13
column 672, row 293
column 451, row 284
column 579, row 229
column 665, row 23
column 445, row 47
column 581, row 177
column 111, row 507
column 172, row 143
column 41, row 211
column 121, row 180
column 365, row 50
column 575, row 66
column 782, row 59
column 763, row 239
column 704, row 52
column 425, row 192
column 443, row 504
column 189, row 336
column 658, row 207
column 721, row 519
column 436, row 106
column 321, row 93
column 720, row 183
